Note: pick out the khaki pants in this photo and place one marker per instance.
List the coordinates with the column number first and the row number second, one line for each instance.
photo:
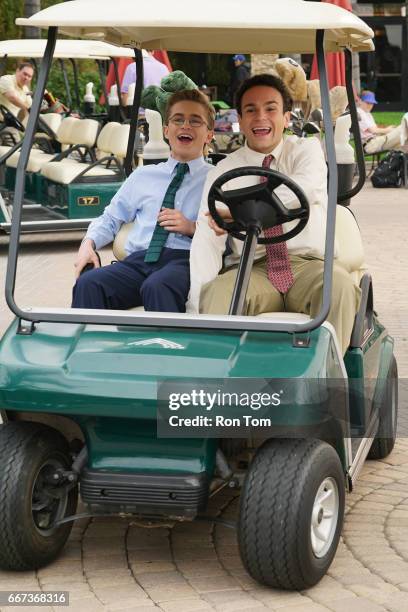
column 384, row 142
column 304, row 296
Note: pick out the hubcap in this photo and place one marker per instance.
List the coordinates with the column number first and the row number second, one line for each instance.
column 48, row 501
column 324, row 517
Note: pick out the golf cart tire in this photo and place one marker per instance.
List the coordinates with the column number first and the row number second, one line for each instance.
column 384, row 440
column 26, row 449
column 277, row 506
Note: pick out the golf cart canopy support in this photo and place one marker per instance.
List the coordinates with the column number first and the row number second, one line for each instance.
column 298, row 26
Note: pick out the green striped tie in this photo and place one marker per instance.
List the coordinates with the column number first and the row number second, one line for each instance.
column 160, row 234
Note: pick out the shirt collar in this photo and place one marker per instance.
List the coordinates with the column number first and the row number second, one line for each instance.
column 257, row 158
column 193, row 165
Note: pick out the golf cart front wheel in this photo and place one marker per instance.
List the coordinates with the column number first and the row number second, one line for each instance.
column 291, row 513
column 30, row 503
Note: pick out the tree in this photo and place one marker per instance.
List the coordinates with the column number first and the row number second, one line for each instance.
column 30, row 8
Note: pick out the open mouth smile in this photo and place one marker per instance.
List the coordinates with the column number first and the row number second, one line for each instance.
column 261, row 131
column 185, row 138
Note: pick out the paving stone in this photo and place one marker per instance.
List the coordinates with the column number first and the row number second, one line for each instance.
column 200, row 568
column 111, row 562
column 303, row 607
column 132, row 605
column 112, row 594
column 334, row 593
column 355, row 604
column 185, row 605
column 279, row 598
column 155, row 579
column 143, row 566
column 216, row 583
column 378, row 593
column 171, row 592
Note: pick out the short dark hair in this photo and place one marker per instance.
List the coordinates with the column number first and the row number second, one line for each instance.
column 266, row 80
column 23, row 65
column 191, row 95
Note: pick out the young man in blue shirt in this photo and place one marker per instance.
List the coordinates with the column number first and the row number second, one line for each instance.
column 163, row 201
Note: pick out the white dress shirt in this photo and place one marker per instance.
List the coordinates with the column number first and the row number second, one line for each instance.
column 302, row 160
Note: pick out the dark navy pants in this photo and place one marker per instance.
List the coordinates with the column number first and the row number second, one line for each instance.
column 161, row 286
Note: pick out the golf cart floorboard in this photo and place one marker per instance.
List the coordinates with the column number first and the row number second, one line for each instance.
column 37, row 218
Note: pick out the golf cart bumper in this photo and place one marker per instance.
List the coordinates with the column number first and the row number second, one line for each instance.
column 151, row 494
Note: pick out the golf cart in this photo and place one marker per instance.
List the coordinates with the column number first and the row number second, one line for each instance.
column 59, row 195
column 87, row 396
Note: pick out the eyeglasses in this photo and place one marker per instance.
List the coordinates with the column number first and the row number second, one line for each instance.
column 194, row 122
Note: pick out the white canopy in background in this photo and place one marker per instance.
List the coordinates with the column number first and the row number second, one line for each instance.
column 75, row 49
column 213, row 26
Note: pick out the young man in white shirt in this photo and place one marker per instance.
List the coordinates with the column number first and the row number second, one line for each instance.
column 263, row 105
column 375, row 138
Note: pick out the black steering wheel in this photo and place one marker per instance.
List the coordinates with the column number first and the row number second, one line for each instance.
column 11, row 120
column 258, row 207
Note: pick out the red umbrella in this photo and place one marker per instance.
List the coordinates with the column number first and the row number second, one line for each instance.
column 335, row 62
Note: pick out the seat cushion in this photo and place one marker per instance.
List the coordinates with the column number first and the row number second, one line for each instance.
column 65, row 171
column 36, row 161
column 350, row 252
column 285, row 317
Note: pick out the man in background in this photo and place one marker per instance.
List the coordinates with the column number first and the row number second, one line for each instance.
column 375, row 138
column 15, row 92
column 153, row 72
column 240, row 74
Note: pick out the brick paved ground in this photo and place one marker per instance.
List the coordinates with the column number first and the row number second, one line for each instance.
column 113, row 564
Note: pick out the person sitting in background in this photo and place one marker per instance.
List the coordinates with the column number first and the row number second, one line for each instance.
column 15, row 93
column 375, row 138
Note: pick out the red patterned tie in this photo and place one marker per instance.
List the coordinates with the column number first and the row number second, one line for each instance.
column 277, row 258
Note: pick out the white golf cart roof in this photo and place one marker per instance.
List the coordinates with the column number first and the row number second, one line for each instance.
column 256, row 26
column 64, row 49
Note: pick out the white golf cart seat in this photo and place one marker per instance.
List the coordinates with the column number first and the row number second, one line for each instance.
column 68, row 134
column 349, row 248
column 111, row 143
column 348, row 240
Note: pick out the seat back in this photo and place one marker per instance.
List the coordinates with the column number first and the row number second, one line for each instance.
column 65, row 129
column 113, row 140
column 118, row 246
column 84, row 132
column 53, row 120
column 104, row 139
column 348, row 239
column 350, row 251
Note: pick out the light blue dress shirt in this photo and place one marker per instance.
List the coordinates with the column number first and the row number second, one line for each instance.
column 140, row 199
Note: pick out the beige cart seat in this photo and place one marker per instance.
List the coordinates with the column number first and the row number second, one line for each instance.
column 349, row 247
column 37, row 160
column 112, row 142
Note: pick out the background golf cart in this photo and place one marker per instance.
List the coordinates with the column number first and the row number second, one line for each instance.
column 99, row 382
column 56, row 197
